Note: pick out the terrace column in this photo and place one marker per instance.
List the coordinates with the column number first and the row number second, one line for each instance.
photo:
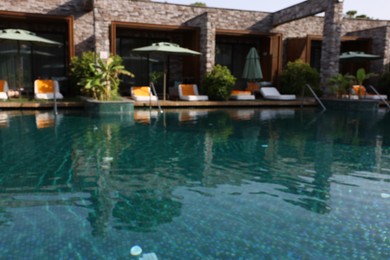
column 331, row 42
column 206, row 22
column 101, row 27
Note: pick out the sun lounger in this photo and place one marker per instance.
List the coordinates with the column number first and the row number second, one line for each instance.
column 44, row 89
column 283, row 113
column 4, row 120
column 47, row 120
column 145, row 116
column 242, row 114
column 142, row 93
column 3, row 89
column 273, row 94
column 363, row 93
column 191, row 115
column 241, row 95
column 190, row 92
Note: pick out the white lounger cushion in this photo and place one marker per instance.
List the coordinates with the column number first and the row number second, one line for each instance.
column 273, row 93
column 241, row 95
column 4, row 89
column 189, row 92
column 43, row 89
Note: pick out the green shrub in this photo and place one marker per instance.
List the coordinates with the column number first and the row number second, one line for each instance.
column 295, row 77
column 218, row 83
column 80, row 70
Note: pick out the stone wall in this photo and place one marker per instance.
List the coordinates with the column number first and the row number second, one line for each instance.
column 378, row 31
column 83, row 21
column 380, row 45
column 301, row 28
column 175, row 15
column 299, row 11
column 330, row 50
column 89, row 35
column 207, row 39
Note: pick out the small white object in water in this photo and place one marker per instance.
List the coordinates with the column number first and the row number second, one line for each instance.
column 108, row 159
column 105, row 167
column 149, row 256
column 136, row 251
column 264, row 145
column 385, row 195
column 95, row 128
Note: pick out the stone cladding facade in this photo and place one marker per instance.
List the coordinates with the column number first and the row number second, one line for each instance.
column 92, row 20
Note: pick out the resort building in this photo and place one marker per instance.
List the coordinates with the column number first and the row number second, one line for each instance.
column 223, row 36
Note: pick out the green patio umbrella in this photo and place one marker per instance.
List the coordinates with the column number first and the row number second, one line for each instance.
column 252, row 69
column 165, row 48
column 353, row 60
column 356, row 56
column 23, row 36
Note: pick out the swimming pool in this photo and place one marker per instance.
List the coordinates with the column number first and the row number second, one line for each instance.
column 195, row 184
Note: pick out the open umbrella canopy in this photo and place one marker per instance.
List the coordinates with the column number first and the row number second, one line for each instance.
column 252, row 68
column 25, row 52
column 358, row 56
column 23, row 35
column 165, row 48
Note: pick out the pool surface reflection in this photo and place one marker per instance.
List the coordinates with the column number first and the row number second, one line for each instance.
column 195, row 184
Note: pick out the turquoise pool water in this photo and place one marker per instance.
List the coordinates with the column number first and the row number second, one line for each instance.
column 201, row 184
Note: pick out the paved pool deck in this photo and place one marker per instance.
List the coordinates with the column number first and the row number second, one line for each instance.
column 61, row 104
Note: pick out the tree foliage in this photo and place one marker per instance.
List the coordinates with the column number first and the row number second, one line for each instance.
column 218, row 83
column 80, row 70
column 104, row 83
column 354, row 14
column 199, row 4
column 98, row 78
column 295, row 77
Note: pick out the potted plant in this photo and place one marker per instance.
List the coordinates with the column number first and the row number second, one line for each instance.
column 100, row 84
column 340, row 84
column 361, row 76
column 103, row 85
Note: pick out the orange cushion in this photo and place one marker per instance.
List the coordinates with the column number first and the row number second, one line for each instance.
column 2, row 83
column 142, row 117
column 44, row 123
column 359, row 90
column 45, row 86
column 143, row 91
column 240, row 92
column 187, row 90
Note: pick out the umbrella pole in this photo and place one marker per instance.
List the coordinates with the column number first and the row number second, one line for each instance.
column 165, row 79
column 165, row 86
column 20, row 67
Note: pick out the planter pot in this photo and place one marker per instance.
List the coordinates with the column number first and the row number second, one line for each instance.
column 124, row 106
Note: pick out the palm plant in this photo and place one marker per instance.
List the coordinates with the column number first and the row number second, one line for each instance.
column 340, row 84
column 360, row 77
column 104, row 82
